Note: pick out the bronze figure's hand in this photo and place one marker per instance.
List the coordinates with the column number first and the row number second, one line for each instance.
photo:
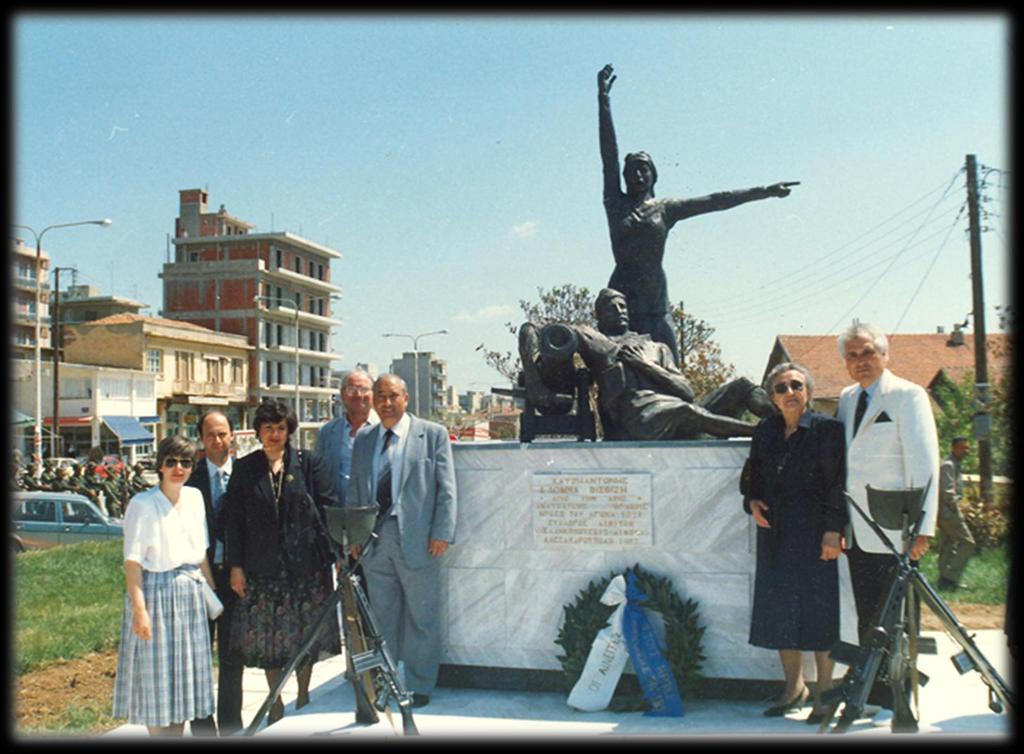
column 781, row 189
column 605, row 79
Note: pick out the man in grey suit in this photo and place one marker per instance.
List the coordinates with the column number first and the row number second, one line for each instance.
column 404, row 464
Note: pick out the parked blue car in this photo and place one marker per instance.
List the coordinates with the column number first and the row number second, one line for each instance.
column 47, row 519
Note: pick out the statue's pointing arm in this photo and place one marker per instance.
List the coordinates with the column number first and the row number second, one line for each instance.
column 680, row 209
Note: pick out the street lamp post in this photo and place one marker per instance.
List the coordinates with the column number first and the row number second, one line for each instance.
column 416, row 361
column 37, row 438
column 55, row 345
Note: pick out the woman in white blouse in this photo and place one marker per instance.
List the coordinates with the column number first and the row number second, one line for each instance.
column 165, row 666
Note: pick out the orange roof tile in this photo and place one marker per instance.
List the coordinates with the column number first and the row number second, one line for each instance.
column 125, row 318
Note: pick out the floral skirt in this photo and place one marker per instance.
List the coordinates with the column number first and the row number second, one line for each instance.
column 277, row 615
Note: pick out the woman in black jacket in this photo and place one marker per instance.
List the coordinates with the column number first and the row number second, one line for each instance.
column 279, row 568
column 795, row 494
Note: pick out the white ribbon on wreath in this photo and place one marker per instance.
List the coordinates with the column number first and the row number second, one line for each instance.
column 608, row 655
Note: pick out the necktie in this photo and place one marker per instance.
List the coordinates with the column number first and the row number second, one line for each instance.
column 862, row 407
column 219, row 487
column 384, row 475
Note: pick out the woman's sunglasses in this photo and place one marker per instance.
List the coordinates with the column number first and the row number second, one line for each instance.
column 784, row 387
column 170, row 463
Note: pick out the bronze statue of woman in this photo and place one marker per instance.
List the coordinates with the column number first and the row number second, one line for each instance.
column 639, row 224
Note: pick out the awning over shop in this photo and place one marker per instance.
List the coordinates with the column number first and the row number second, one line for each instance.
column 128, row 430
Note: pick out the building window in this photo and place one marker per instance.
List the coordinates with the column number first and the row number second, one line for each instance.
column 280, row 373
column 213, row 370
column 298, row 265
column 320, row 272
column 279, row 259
column 183, row 367
column 312, row 269
column 155, row 360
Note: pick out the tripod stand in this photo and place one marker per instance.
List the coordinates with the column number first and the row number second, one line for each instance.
column 364, row 633
column 890, row 645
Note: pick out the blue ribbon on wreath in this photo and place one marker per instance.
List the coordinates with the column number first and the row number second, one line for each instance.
column 652, row 669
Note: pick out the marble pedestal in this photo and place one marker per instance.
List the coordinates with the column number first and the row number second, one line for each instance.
column 537, row 522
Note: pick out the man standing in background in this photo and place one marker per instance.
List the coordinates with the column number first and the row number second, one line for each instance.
column 956, row 544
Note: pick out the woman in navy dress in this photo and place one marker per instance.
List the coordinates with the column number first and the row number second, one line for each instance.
column 795, row 494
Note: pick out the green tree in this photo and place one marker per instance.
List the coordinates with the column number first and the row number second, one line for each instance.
column 701, row 356
column 956, row 399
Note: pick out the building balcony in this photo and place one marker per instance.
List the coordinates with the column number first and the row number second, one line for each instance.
column 215, row 389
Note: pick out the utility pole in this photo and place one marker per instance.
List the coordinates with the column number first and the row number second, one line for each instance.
column 56, row 445
column 982, row 388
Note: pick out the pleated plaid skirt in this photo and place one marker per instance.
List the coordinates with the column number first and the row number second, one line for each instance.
column 169, row 678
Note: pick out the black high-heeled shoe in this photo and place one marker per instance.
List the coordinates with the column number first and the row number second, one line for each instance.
column 792, row 705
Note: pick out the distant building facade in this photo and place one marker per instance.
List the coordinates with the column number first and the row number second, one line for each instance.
column 426, row 377
column 24, row 302
column 194, row 368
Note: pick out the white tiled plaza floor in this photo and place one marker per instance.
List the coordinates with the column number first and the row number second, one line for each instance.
column 951, row 705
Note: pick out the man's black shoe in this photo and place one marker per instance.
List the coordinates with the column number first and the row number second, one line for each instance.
column 420, row 700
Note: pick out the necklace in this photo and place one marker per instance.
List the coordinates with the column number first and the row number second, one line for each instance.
column 276, row 484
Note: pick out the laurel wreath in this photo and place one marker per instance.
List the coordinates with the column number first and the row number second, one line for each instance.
column 683, row 634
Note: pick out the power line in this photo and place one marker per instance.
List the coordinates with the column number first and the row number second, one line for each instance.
column 928, row 271
column 821, row 260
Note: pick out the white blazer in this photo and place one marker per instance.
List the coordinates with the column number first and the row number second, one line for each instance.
column 898, row 453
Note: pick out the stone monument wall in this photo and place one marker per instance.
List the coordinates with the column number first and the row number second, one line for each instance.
column 537, row 522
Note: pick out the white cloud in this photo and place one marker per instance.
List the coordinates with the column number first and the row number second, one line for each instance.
column 524, row 230
column 494, row 311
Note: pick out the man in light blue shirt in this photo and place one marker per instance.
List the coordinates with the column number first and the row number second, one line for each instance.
column 334, row 441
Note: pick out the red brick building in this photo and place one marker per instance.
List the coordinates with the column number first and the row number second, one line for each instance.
column 273, row 288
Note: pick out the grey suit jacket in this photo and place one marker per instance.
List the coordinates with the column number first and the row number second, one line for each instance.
column 426, row 501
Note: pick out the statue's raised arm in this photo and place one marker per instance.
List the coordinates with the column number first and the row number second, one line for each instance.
column 606, row 133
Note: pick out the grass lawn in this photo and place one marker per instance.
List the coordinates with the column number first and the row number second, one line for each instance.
column 67, row 602
column 983, row 582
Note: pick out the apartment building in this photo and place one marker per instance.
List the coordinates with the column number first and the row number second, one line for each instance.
column 274, row 289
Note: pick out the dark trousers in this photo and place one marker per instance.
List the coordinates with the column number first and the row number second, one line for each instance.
column 229, row 676
column 871, row 576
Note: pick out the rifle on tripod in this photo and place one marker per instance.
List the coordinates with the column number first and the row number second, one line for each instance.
column 375, row 679
column 890, row 646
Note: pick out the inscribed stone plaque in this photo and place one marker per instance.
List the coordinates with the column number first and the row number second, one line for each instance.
column 592, row 511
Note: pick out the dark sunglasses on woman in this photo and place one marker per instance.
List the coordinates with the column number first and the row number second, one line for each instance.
column 170, row 463
column 784, row 387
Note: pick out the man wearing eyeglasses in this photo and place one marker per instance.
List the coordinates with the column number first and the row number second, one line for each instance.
column 891, row 443
column 335, row 438
column 211, row 477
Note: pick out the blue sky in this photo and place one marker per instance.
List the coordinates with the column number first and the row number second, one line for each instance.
column 453, row 160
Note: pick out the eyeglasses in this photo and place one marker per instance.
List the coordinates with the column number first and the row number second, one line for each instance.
column 357, row 390
column 170, row 463
column 782, row 388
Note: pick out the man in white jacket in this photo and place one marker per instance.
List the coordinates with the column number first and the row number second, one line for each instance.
column 891, row 443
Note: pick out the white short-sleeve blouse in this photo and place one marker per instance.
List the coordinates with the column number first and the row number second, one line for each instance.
column 162, row 536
